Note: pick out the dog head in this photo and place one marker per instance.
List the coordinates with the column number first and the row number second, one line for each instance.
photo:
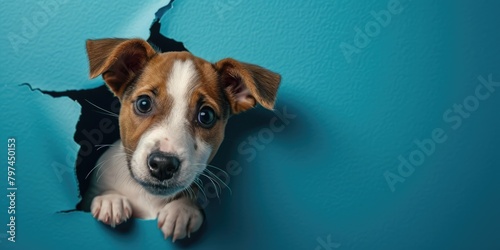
column 174, row 107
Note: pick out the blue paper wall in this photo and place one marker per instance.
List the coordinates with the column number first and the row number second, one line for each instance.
column 366, row 85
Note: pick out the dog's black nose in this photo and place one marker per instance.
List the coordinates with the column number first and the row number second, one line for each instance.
column 163, row 166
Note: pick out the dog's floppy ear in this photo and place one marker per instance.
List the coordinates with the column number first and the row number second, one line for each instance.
column 245, row 84
column 118, row 60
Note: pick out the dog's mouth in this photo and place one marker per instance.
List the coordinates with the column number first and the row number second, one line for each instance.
column 172, row 186
column 161, row 189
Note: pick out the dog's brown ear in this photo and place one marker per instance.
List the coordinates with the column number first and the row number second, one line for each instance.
column 118, row 60
column 247, row 84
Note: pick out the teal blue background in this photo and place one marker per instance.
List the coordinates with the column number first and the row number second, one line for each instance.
column 323, row 175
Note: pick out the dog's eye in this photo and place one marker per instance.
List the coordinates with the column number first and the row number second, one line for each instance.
column 206, row 117
column 143, row 104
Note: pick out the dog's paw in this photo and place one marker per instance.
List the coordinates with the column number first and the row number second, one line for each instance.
column 179, row 218
column 111, row 209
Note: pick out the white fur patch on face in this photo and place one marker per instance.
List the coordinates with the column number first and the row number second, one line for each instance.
column 172, row 135
column 180, row 86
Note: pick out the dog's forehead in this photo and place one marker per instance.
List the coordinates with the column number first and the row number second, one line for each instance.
column 160, row 68
column 166, row 61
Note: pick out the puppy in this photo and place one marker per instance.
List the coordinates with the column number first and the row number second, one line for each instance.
column 174, row 108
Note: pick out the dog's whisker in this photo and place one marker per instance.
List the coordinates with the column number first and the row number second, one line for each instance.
column 208, row 175
column 98, row 166
column 191, row 193
column 186, row 193
column 104, row 111
column 90, row 172
column 101, row 164
column 122, row 154
column 101, row 146
column 127, row 150
column 212, row 166
column 215, row 182
column 215, row 186
column 99, row 177
column 200, row 186
column 218, row 179
column 224, row 183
